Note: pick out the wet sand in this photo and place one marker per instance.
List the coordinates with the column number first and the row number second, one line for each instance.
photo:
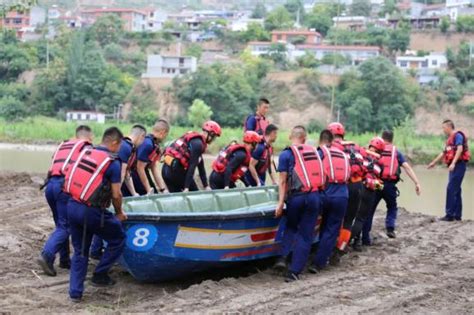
column 429, row 268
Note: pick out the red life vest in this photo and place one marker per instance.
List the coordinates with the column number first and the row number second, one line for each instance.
column 265, row 160
column 389, row 163
column 65, row 154
column 84, row 180
column 220, row 164
column 308, row 173
column 179, row 149
column 336, row 165
column 261, row 124
column 131, row 163
column 373, row 171
column 450, row 149
column 356, row 158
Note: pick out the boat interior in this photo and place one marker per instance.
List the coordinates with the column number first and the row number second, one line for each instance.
column 234, row 200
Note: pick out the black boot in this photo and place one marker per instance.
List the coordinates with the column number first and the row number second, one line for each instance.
column 391, row 233
column 102, row 280
column 48, row 267
column 356, row 245
column 281, row 264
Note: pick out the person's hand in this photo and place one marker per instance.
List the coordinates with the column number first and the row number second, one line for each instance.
column 185, row 190
column 166, row 191
column 279, row 210
column 136, row 195
column 274, row 182
column 226, row 188
column 451, row 167
column 418, row 189
column 151, row 192
column 431, row 165
column 208, row 188
column 121, row 216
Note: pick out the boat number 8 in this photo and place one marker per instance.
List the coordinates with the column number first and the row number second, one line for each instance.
column 141, row 237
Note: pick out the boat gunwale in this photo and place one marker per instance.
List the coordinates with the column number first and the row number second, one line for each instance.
column 201, row 216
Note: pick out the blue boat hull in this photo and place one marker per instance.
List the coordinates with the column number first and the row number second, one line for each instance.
column 161, row 250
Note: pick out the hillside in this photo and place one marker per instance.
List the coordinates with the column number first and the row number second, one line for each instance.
column 437, row 41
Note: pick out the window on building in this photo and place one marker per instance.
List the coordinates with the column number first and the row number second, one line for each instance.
column 403, row 64
column 279, row 37
column 183, row 71
column 88, row 116
column 7, row 21
column 79, row 116
column 424, row 64
column 17, row 21
column 181, row 61
column 434, row 62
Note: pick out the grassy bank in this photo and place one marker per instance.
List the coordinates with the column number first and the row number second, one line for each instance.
column 40, row 130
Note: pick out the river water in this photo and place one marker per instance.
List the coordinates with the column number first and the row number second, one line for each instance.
column 36, row 159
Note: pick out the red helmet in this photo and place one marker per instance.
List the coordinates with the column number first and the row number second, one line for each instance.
column 252, row 137
column 336, row 128
column 212, row 127
column 377, row 143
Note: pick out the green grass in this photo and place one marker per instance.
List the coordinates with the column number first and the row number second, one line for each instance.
column 42, row 130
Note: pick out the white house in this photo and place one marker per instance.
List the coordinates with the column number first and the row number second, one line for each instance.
column 159, row 66
column 431, row 61
column 155, row 20
column 86, row 116
column 242, row 24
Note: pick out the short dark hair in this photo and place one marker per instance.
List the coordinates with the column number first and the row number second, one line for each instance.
column 298, row 131
column 449, row 122
column 81, row 129
column 270, row 128
column 161, row 124
column 112, row 134
column 263, row 100
column 326, row 136
column 387, row 135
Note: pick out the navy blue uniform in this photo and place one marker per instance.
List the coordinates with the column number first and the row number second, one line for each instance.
column 222, row 180
column 84, row 222
column 302, row 210
column 257, row 155
column 334, row 204
column 453, row 190
column 143, row 153
column 389, row 194
column 58, row 241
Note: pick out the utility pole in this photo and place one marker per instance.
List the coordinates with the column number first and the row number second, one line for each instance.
column 470, row 54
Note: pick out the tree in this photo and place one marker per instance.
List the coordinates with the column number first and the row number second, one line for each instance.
column 296, row 8
column 357, row 114
column 465, row 23
column 198, row 113
column 255, row 32
column 15, row 59
column 194, row 50
column 445, row 24
column 230, row 90
column 279, row 18
column 107, row 29
column 12, row 108
column 259, row 11
column 321, row 17
column 361, row 8
column 308, row 60
column 399, row 40
column 278, row 54
column 377, row 36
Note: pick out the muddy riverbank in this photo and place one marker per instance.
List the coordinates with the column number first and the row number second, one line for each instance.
column 429, row 268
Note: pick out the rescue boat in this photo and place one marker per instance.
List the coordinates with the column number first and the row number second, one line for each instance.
column 174, row 235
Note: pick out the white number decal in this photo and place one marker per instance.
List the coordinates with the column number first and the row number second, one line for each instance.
column 141, row 237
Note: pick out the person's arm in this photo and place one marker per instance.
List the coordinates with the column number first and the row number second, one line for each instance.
column 459, row 149
column 203, row 175
column 251, row 123
column 129, row 184
column 282, row 188
column 113, row 176
column 195, row 152
column 123, row 174
column 157, row 177
column 411, row 173
column 141, row 170
column 272, row 171
column 235, row 161
column 253, row 170
column 436, row 160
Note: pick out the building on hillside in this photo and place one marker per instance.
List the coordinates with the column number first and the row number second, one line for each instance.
column 242, row 24
column 351, row 23
column 155, row 20
column 456, row 12
column 459, row 3
column 159, row 66
column 85, row 116
column 22, row 22
column 300, row 36
column 355, row 54
column 133, row 20
column 417, row 23
column 431, row 61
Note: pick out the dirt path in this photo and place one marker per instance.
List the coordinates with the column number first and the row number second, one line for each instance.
column 429, row 268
